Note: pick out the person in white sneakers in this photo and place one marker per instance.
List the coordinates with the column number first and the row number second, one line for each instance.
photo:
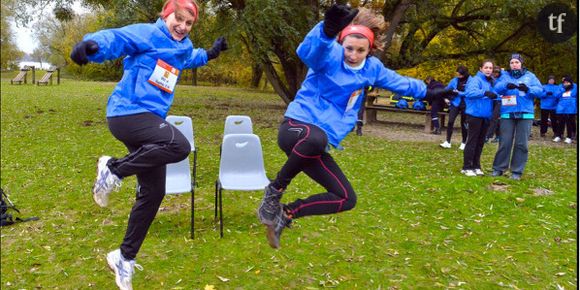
column 479, row 96
column 457, row 106
column 566, row 110
column 136, row 110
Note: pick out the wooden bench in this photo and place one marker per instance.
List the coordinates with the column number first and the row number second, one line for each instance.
column 372, row 106
column 49, row 75
column 20, row 78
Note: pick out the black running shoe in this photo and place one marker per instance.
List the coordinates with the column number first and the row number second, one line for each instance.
column 270, row 205
column 274, row 231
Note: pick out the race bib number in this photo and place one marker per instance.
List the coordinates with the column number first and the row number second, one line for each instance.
column 566, row 94
column 509, row 100
column 352, row 100
column 164, row 76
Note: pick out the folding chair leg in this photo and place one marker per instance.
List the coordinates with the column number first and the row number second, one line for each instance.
column 216, row 202
column 193, row 184
column 192, row 211
column 221, row 215
column 194, row 168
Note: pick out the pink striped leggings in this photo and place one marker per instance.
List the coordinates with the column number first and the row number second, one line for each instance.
column 305, row 145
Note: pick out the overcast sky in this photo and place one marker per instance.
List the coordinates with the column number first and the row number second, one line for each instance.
column 23, row 35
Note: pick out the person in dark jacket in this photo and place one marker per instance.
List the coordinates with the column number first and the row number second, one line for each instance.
column 566, row 110
column 437, row 105
column 479, row 96
column 548, row 103
column 457, row 106
column 518, row 89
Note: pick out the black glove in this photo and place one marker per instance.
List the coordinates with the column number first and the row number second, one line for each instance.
column 219, row 45
column 549, row 93
column 336, row 18
column 82, row 49
column 511, row 86
column 490, row 95
column 437, row 94
column 522, row 87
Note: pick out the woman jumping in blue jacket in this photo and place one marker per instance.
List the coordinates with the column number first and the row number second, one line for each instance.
column 325, row 110
column 155, row 54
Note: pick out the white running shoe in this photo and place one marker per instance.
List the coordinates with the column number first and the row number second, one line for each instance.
column 479, row 172
column 123, row 269
column 445, row 145
column 568, row 141
column 105, row 183
column 557, row 139
column 469, row 172
column 462, row 146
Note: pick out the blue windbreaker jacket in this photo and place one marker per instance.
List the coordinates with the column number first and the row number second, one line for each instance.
column 331, row 94
column 549, row 102
column 143, row 45
column 476, row 103
column 456, row 101
column 567, row 103
column 524, row 101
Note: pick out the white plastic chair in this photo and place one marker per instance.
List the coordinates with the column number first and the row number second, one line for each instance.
column 237, row 124
column 241, row 168
column 180, row 178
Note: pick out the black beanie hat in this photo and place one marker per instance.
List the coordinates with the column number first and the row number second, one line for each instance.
column 567, row 78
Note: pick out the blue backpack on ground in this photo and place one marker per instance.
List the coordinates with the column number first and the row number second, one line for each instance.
column 419, row 106
column 402, row 104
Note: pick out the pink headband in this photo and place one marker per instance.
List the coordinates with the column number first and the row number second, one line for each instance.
column 182, row 4
column 358, row 29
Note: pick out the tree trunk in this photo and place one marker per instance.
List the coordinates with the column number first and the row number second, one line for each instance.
column 194, row 76
column 257, row 72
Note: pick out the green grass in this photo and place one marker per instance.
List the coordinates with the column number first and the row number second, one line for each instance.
column 418, row 223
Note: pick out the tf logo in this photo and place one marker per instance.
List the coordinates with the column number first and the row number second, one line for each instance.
column 557, row 23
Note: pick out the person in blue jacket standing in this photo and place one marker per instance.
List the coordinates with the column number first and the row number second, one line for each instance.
column 548, row 102
column 566, row 110
column 494, row 122
column 324, row 111
column 457, row 106
column 155, row 54
column 517, row 88
column 479, row 96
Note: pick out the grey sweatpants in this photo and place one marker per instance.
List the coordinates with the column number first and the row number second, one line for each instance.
column 513, row 145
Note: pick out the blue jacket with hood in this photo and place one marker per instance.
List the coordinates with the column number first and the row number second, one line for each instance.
column 331, row 94
column 568, row 101
column 143, row 45
column 524, row 101
column 549, row 102
column 476, row 103
column 456, row 101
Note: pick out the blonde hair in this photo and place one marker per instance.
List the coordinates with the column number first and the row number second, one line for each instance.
column 375, row 22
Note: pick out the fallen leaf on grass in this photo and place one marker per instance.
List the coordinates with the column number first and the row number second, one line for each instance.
column 542, row 192
column 223, row 279
column 560, row 274
column 209, row 287
column 497, row 186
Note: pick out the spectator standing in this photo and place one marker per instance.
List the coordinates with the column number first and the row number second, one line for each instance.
column 493, row 129
column 457, row 106
column 479, row 96
column 566, row 110
column 518, row 89
column 437, row 104
column 548, row 103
